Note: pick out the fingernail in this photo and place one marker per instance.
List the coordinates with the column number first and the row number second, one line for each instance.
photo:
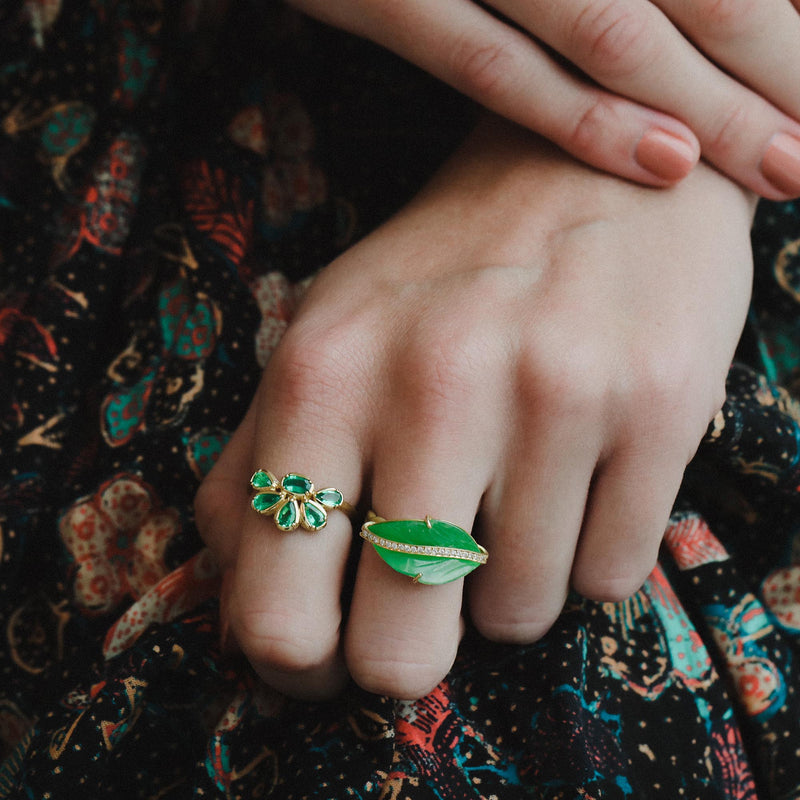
column 781, row 164
column 665, row 155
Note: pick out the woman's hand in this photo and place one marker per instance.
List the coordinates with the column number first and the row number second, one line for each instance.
column 664, row 75
column 529, row 343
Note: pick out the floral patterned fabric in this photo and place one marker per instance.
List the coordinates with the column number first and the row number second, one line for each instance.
column 170, row 176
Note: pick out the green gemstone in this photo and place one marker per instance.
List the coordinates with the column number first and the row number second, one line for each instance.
column 262, row 480
column 314, row 516
column 265, row 502
column 433, row 570
column 297, row 484
column 330, row 498
column 287, row 517
column 416, row 531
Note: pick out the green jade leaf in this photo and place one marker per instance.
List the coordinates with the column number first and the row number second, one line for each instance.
column 432, row 570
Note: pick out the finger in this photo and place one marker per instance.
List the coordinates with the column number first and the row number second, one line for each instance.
column 402, row 637
column 509, row 73
column 221, row 501
column 632, row 48
column 531, row 521
column 285, row 602
column 755, row 40
column 626, row 516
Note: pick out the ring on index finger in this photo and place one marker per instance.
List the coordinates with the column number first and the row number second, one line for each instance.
column 294, row 502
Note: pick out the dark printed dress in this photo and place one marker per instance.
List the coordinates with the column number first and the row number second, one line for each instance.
column 170, row 174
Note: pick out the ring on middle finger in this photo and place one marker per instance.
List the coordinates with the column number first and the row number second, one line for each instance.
column 430, row 551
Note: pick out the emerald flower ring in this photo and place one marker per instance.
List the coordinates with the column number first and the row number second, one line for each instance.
column 294, row 502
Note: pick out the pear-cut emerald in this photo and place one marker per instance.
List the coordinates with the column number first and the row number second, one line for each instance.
column 265, row 502
column 262, row 479
column 297, row 484
column 330, row 498
column 314, row 515
column 287, row 517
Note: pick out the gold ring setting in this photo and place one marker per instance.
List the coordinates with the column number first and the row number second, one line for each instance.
column 430, row 551
column 294, row 502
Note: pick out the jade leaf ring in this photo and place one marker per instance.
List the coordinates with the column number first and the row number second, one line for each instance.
column 294, row 502
column 431, row 551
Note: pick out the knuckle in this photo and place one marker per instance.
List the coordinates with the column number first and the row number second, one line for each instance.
column 725, row 133
column 440, row 367
column 403, row 680
column 561, row 381
column 611, row 39
column 515, row 629
column 658, row 385
column 724, row 20
column 481, row 69
column 597, row 118
column 605, row 587
column 310, row 370
column 287, row 645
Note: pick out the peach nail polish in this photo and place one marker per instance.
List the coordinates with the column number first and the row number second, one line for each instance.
column 665, row 155
column 781, row 164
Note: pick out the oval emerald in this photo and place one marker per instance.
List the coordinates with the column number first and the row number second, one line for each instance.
column 297, row 484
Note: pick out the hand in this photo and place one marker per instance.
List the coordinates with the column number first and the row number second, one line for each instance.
column 723, row 71
column 528, row 339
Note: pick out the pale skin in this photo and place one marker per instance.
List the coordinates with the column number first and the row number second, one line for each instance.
column 668, row 80
column 531, row 349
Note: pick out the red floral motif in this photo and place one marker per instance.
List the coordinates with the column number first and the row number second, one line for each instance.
column 184, row 588
column 117, row 538
column 692, row 544
column 781, row 592
column 32, row 340
column 215, row 204
column 103, row 214
column 736, row 777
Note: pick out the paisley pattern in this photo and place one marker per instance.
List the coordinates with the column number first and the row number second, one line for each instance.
column 171, row 175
